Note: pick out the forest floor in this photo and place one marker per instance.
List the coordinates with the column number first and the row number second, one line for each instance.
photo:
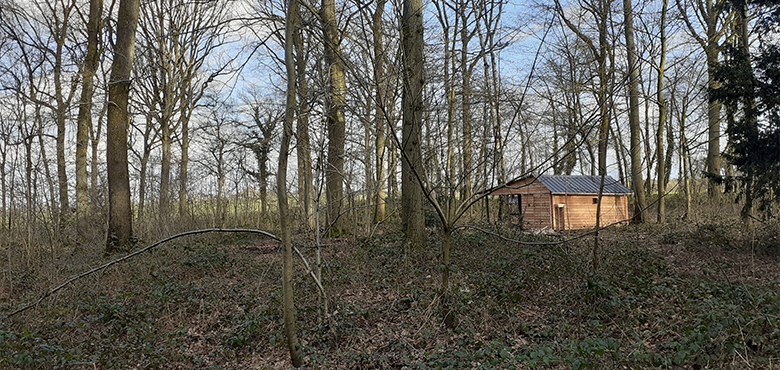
column 690, row 296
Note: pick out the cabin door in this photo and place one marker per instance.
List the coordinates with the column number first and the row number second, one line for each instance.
column 560, row 217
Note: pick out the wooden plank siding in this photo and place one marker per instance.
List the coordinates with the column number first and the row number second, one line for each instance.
column 536, row 202
column 580, row 211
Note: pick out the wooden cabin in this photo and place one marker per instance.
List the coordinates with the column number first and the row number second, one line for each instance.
column 564, row 202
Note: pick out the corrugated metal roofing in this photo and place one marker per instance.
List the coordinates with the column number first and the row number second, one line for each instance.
column 579, row 184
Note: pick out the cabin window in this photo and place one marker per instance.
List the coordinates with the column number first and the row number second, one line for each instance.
column 595, row 200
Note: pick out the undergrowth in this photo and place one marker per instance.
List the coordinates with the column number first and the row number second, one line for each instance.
column 696, row 298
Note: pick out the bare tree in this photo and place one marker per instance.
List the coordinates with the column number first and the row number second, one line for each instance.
column 261, row 135
column 177, row 39
column 600, row 11
column 713, row 22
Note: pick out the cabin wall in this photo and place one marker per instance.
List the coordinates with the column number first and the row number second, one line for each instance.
column 579, row 211
column 536, row 202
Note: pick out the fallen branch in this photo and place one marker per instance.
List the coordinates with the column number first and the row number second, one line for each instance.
column 131, row 255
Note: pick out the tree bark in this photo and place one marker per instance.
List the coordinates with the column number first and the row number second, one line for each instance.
column 288, row 309
column 661, row 174
column 379, row 111
column 637, row 183
column 85, row 114
column 184, row 165
column 120, row 214
column 336, row 125
column 303, row 147
column 709, row 14
column 412, row 215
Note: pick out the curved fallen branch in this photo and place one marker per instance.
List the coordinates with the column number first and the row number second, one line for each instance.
column 131, row 255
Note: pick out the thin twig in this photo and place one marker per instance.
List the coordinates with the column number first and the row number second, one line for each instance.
column 310, row 271
column 131, row 255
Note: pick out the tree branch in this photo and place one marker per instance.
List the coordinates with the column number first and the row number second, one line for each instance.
column 131, row 255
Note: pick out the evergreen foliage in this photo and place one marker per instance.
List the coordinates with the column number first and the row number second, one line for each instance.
column 751, row 90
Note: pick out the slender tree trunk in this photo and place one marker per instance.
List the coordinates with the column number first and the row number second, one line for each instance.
column 183, row 167
column 637, row 183
column 142, row 184
column 165, row 171
column 61, row 111
column 288, row 309
column 120, row 213
column 412, row 171
column 661, row 170
column 392, row 167
column 685, row 163
column 336, row 125
column 648, row 152
column 467, row 146
column 28, row 193
column 55, row 211
column 750, row 115
column 85, row 114
column 263, row 189
column 95, row 132
column 379, row 110
column 303, row 147
column 3, row 187
column 670, row 148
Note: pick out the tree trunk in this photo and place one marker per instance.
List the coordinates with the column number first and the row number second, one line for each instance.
column 713, row 122
column 467, row 145
column 709, row 14
column 336, row 125
column 120, row 213
column 165, row 170
column 379, row 110
column 183, row 167
column 61, row 111
column 55, row 212
column 303, row 147
column 412, row 172
column 648, row 152
column 288, row 309
column 85, row 114
column 142, row 176
column 685, row 163
column 95, row 133
column 661, row 174
column 750, row 115
column 637, row 183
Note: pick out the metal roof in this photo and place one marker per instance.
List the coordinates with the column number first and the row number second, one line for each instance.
column 579, row 184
